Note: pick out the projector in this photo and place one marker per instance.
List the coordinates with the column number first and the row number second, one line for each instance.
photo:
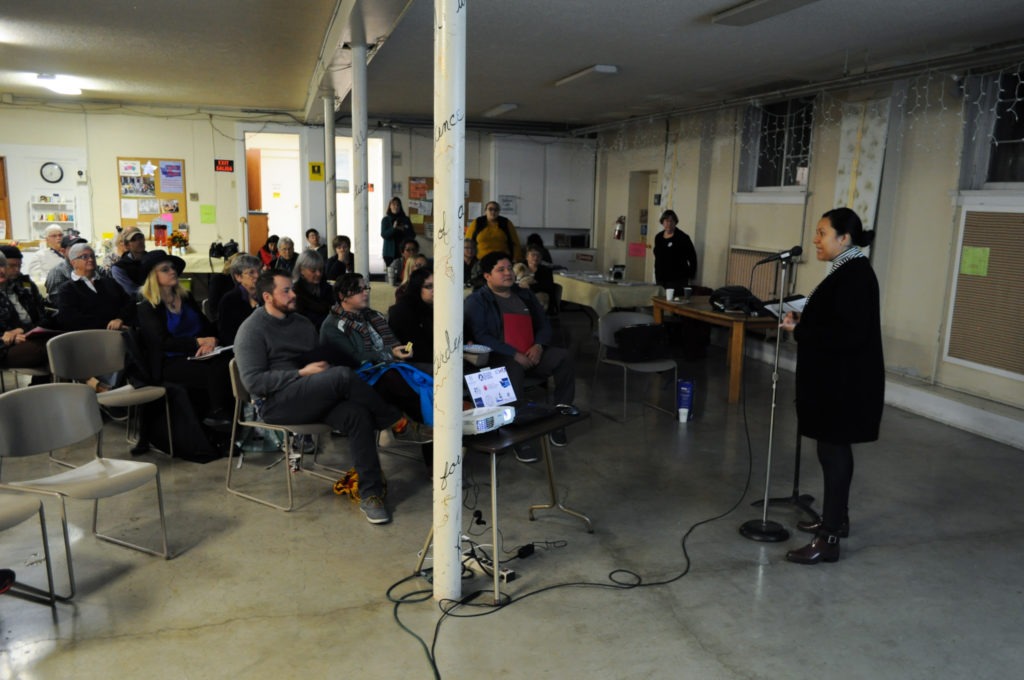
column 480, row 420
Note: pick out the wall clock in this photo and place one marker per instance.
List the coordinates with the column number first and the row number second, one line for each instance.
column 51, row 172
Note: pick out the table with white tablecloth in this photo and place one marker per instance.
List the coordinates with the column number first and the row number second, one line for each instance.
column 602, row 295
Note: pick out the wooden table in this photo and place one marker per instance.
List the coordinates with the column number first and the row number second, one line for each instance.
column 604, row 296
column 699, row 308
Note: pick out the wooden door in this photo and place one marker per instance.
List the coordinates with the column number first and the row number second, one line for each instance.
column 5, row 208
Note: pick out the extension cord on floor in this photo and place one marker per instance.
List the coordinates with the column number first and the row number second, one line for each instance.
column 483, row 566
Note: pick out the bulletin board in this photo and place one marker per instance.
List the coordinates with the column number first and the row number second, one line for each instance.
column 152, row 190
column 420, row 206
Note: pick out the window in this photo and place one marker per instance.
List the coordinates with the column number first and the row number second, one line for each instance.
column 1006, row 159
column 777, row 139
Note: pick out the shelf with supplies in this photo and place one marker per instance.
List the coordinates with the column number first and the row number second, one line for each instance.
column 47, row 209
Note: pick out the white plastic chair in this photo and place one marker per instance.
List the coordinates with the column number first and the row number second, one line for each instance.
column 607, row 325
column 238, row 420
column 80, row 355
column 40, row 419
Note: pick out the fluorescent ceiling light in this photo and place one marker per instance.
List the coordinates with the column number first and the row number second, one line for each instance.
column 596, row 69
column 756, row 10
column 499, row 110
column 58, row 84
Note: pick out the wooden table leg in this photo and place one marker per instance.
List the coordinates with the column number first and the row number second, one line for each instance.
column 735, row 360
column 656, row 313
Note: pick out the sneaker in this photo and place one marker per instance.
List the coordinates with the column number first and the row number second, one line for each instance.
column 527, row 452
column 558, row 438
column 375, row 510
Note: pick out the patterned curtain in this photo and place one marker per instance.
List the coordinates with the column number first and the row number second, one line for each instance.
column 861, row 153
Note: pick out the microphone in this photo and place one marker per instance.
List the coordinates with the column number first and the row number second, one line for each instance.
column 785, row 255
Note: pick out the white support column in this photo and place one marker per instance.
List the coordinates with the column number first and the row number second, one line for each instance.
column 449, row 197
column 360, row 174
column 330, row 173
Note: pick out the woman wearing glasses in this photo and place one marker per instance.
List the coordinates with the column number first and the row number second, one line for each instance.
column 494, row 233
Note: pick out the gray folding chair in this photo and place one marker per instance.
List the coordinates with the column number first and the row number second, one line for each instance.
column 33, row 372
column 16, row 508
column 39, row 419
column 607, row 325
column 293, row 457
column 80, row 355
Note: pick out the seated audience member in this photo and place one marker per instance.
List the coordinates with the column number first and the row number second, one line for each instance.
column 471, row 276
column 412, row 317
column 418, row 261
column 118, row 249
column 91, row 302
column 277, row 354
column 313, row 243
column 173, row 330
column 19, row 350
column 313, row 296
column 60, row 275
column 48, row 256
column 237, row 304
column 511, row 321
column 410, row 249
column 285, row 260
column 268, row 252
column 342, row 261
column 537, row 240
column 21, row 291
column 128, row 270
column 494, row 233
column 541, row 280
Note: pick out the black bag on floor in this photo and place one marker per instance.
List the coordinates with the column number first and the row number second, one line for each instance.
column 641, row 342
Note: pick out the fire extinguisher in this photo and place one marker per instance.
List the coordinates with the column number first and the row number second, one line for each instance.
column 620, row 228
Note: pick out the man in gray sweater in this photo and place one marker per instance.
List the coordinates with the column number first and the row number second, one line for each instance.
column 278, row 361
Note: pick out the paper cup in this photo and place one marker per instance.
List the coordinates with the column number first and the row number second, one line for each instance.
column 670, row 293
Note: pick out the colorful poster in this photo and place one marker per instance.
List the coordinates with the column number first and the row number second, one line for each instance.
column 172, row 177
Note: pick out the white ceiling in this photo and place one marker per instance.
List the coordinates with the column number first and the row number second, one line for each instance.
column 271, row 55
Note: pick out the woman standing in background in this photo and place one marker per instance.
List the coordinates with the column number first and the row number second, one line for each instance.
column 840, row 373
column 675, row 258
column 395, row 229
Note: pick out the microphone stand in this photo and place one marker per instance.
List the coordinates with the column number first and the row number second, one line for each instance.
column 796, row 499
column 762, row 529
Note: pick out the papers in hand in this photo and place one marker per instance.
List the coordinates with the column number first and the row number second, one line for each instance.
column 219, row 349
column 794, row 305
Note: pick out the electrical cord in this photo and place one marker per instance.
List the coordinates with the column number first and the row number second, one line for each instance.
column 618, row 579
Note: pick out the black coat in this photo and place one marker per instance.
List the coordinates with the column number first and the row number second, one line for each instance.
column 234, row 308
column 79, row 308
column 840, row 372
column 157, row 340
column 413, row 321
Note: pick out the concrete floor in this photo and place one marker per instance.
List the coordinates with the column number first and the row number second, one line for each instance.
column 928, row 585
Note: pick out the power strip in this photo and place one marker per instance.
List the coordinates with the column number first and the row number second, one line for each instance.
column 483, row 566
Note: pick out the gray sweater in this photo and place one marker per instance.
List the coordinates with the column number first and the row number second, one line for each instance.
column 270, row 351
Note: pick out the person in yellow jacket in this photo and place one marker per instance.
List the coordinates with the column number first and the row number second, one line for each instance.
column 494, row 233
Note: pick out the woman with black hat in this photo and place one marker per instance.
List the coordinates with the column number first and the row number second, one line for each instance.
column 175, row 333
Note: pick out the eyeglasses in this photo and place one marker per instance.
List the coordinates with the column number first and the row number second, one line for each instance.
column 408, row 250
column 86, row 257
column 361, row 289
column 166, row 269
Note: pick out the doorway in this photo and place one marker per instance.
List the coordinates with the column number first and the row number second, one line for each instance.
column 643, row 185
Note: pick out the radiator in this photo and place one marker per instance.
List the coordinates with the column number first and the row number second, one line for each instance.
column 741, row 263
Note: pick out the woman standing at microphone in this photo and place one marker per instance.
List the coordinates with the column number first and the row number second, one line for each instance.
column 840, row 373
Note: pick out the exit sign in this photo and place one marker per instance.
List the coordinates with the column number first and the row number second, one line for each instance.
column 223, row 165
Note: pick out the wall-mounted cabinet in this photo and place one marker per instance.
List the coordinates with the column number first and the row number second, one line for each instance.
column 47, row 209
column 547, row 184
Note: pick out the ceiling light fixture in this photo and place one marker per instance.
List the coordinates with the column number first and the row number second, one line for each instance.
column 58, row 84
column 756, row 10
column 499, row 110
column 596, row 69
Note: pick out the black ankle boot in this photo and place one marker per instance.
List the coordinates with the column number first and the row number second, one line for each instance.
column 816, row 526
column 824, row 548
